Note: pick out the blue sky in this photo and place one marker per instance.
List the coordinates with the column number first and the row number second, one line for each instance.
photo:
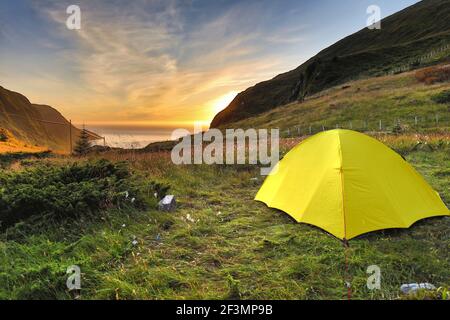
column 156, row 61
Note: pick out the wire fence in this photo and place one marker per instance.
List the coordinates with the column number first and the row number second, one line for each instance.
column 416, row 62
column 69, row 125
column 433, row 56
column 397, row 125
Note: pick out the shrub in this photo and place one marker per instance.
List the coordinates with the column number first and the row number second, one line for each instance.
column 398, row 128
column 7, row 159
column 233, row 286
column 433, row 74
column 3, row 135
column 442, row 97
column 66, row 191
column 83, row 144
column 160, row 190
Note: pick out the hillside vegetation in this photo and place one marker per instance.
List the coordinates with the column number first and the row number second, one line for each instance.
column 414, row 37
column 32, row 126
column 395, row 100
column 9, row 143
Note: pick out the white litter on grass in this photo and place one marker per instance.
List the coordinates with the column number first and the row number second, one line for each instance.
column 189, row 218
column 134, row 242
column 413, row 287
column 168, row 203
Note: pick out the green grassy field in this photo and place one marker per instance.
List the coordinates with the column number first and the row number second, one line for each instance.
column 219, row 243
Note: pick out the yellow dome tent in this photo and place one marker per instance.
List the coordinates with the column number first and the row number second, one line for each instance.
column 348, row 183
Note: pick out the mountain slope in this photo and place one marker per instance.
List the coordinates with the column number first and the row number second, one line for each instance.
column 35, row 125
column 404, row 38
column 365, row 105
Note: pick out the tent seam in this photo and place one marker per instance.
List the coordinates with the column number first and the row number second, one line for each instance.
column 341, row 172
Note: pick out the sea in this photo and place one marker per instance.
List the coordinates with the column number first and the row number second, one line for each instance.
column 132, row 137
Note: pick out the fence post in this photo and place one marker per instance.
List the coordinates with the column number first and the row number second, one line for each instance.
column 415, row 120
column 70, row 136
column 381, row 127
column 310, row 130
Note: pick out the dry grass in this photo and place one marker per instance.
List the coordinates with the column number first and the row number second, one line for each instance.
column 433, row 74
column 9, row 144
column 9, row 148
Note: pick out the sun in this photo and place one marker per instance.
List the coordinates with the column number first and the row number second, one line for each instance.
column 223, row 101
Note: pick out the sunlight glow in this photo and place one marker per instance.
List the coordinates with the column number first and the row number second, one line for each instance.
column 222, row 102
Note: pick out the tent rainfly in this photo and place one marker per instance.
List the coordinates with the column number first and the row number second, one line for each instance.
column 348, row 183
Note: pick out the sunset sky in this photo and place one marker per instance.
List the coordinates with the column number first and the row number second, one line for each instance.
column 163, row 61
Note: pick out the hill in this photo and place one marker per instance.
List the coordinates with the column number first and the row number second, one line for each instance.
column 34, row 126
column 396, row 100
column 414, row 37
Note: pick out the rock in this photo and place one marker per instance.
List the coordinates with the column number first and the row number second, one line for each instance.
column 168, row 203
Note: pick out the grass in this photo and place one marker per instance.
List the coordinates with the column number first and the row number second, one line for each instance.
column 220, row 244
column 9, row 144
column 361, row 105
column 6, row 159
